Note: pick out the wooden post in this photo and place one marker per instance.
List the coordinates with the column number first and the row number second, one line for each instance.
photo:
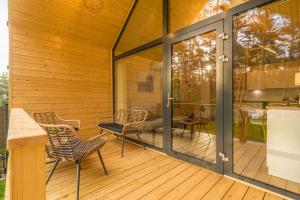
column 26, row 164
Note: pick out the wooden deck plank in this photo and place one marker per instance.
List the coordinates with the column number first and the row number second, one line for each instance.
column 92, row 166
column 262, row 174
column 202, row 188
column 154, row 183
column 67, row 169
column 121, row 187
column 292, row 186
column 89, row 176
column 239, row 153
column 247, row 157
column 187, row 145
column 254, row 194
column 219, row 190
column 269, row 196
column 253, row 167
column 236, row 192
column 144, row 175
column 186, row 186
column 276, row 181
column 166, row 187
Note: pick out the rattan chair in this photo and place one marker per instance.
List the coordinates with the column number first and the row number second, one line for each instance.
column 54, row 118
column 125, row 122
column 63, row 144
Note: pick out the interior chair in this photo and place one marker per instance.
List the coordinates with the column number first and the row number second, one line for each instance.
column 244, row 124
column 247, row 121
column 261, row 121
column 63, row 144
column 205, row 117
column 125, row 122
column 53, row 118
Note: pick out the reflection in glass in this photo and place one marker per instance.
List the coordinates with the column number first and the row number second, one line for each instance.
column 138, row 85
column 144, row 25
column 194, row 92
column 266, row 115
column 185, row 13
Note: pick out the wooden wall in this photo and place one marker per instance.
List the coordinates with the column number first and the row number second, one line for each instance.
column 60, row 57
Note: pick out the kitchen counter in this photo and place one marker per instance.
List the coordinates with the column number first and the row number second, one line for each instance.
column 283, row 108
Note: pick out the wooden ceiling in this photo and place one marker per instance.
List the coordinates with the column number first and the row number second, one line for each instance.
column 145, row 25
column 73, row 19
column 184, row 13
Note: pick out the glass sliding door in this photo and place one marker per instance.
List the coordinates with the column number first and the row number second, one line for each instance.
column 138, row 85
column 196, row 91
column 266, row 139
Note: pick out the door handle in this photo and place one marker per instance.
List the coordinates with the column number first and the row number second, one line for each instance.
column 169, row 99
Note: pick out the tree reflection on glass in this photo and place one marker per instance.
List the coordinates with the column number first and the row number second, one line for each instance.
column 193, row 63
column 265, row 36
column 267, row 40
column 211, row 8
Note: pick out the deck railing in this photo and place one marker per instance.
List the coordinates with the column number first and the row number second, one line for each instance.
column 26, row 164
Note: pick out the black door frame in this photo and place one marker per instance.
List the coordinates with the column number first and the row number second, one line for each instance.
column 218, row 28
column 227, row 89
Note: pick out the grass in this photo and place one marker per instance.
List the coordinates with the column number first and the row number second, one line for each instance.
column 254, row 133
column 2, row 189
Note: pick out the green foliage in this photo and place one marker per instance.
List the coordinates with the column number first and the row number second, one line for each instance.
column 2, row 189
column 255, row 133
column 3, row 88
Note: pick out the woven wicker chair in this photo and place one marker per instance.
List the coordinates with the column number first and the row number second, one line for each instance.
column 54, row 118
column 125, row 122
column 63, row 144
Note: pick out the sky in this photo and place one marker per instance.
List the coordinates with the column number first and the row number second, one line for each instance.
column 3, row 36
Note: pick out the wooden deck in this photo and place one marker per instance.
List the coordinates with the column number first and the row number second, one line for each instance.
column 250, row 161
column 145, row 174
column 249, row 157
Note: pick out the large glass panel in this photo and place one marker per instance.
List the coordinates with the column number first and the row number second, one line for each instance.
column 194, row 92
column 266, row 94
column 144, row 25
column 185, row 13
column 138, row 85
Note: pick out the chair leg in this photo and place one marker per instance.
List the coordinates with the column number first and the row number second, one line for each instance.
column 52, row 171
column 264, row 132
column 101, row 160
column 78, row 179
column 138, row 135
column 122, row 146
column 206, row 130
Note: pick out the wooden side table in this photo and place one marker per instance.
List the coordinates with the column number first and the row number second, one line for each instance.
column 190, row 125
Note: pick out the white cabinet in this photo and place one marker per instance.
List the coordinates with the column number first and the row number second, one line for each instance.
column 283, row 143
